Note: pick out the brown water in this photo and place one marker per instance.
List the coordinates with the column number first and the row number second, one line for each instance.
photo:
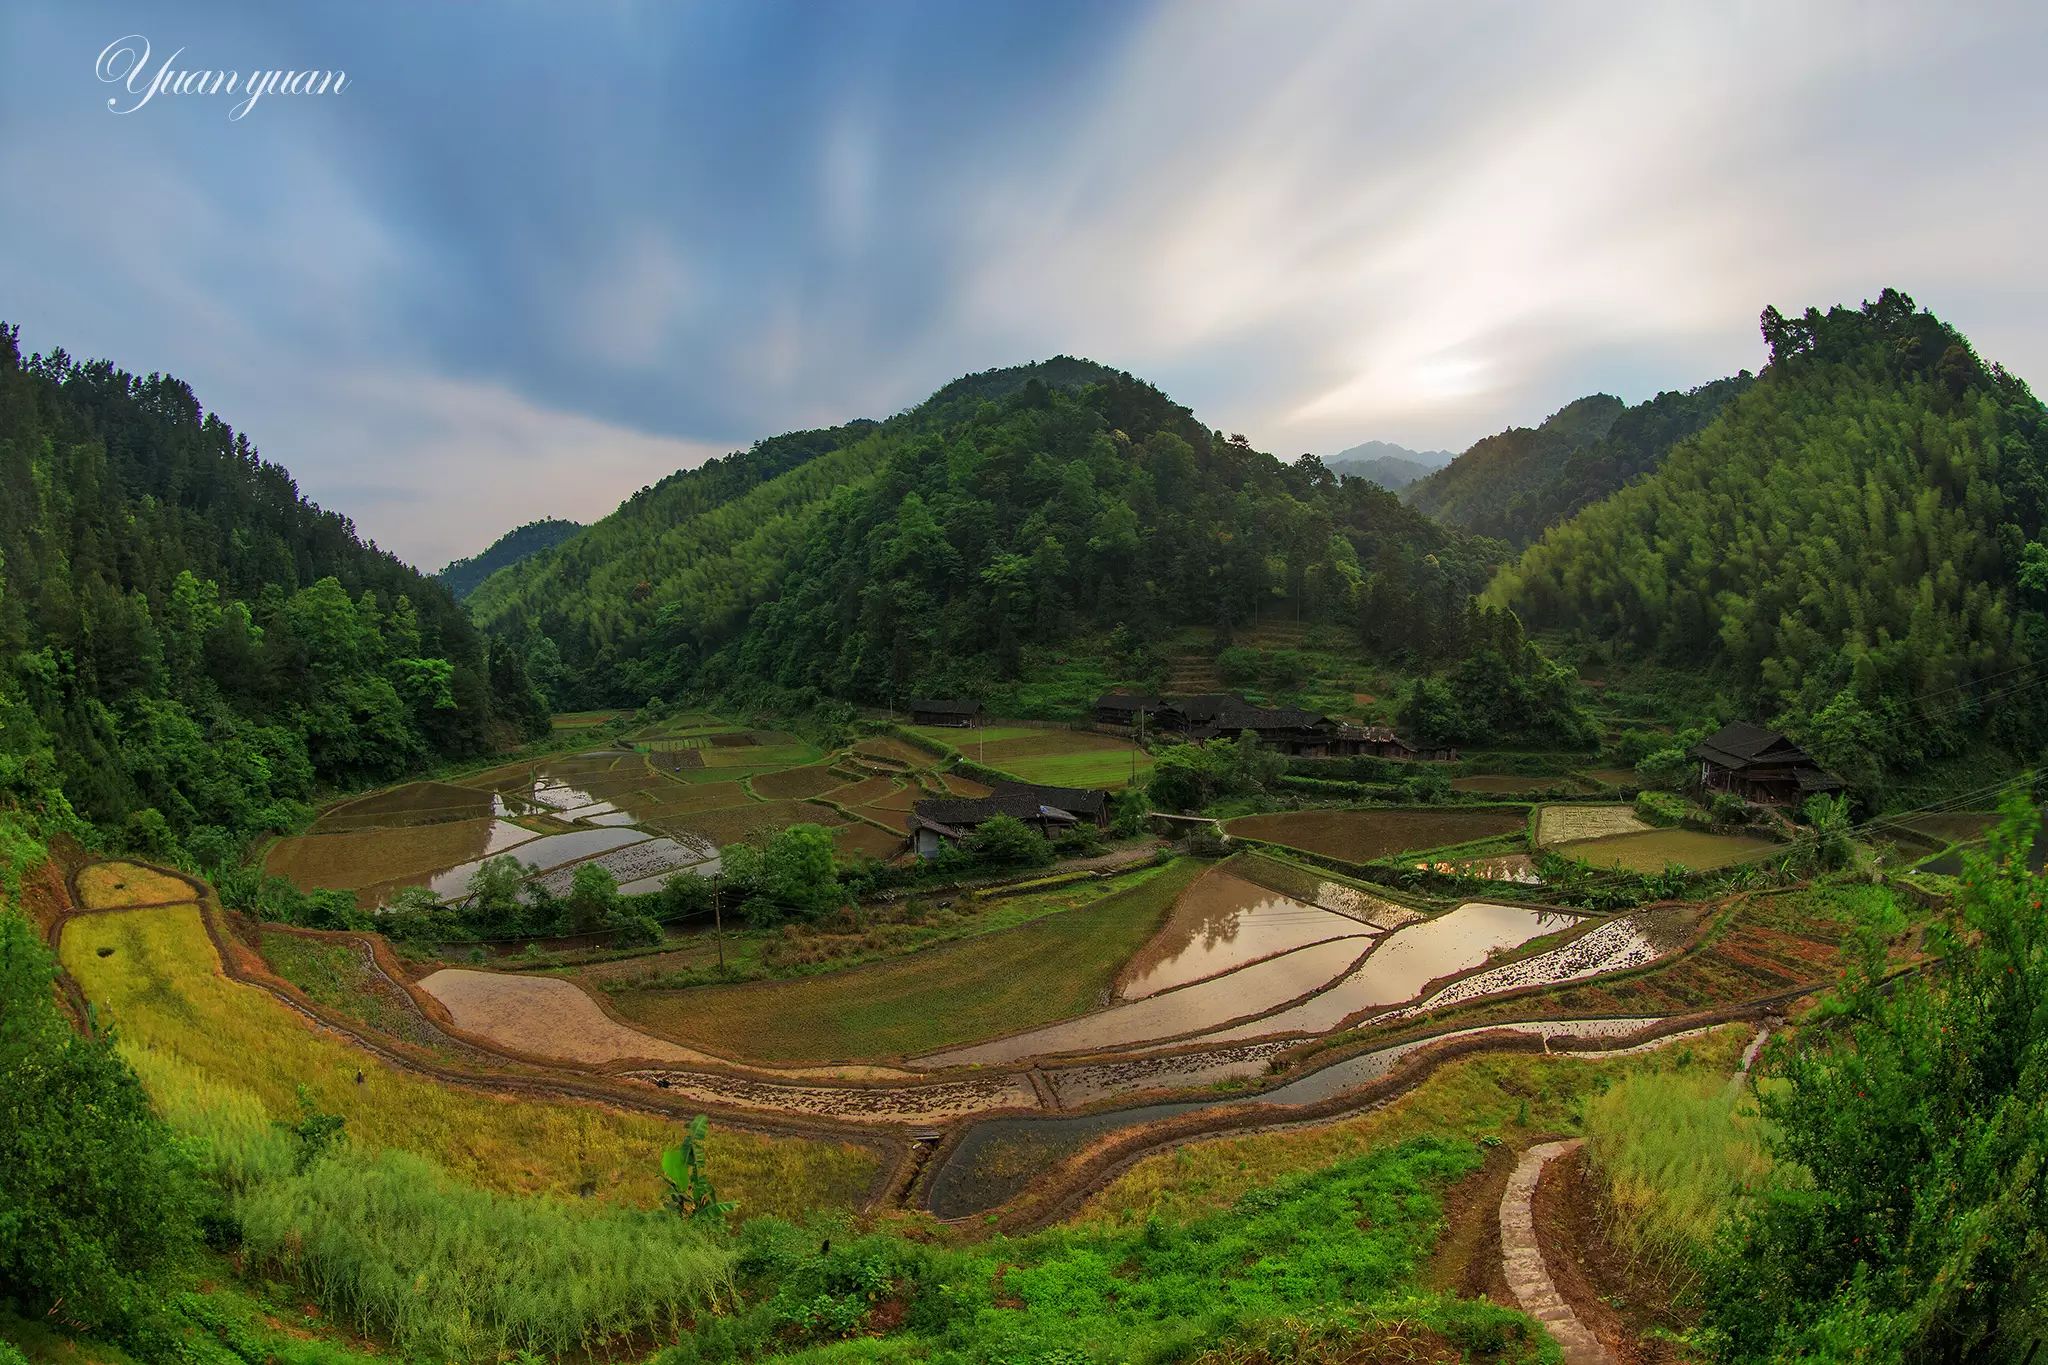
column 1616, row 945
column 1221, row 922
column 1404, row 962
column 1509, row 867
column 1359, row 836
column 1206, row 1004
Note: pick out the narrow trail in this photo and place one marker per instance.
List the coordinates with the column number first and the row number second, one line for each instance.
column 1521, row 1246
column 1522, row 1259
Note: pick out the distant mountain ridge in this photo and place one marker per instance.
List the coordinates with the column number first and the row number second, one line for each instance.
column 1390, row 466
column 462, row 576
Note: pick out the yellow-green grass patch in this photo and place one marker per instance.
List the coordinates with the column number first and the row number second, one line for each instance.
column 1654, row 850
column 204, row 1044
column 105, row 886
column 1054, row 967
column 581, row 720
column 1566, row 824
column 1515, row 1096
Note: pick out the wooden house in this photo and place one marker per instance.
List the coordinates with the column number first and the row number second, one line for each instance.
column 943, row 711
column 1049, row 810
column 1128, row 708
column 1759, row 765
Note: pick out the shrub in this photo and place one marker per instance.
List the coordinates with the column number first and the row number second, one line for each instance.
column 1729, row 809
column 96, row 1197
column 1007, row 841
column 1660, row 808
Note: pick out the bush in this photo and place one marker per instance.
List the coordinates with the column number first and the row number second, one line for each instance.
column 97, row 1198
column 1660, row 808
column 1007, row 841
column 1729, row 809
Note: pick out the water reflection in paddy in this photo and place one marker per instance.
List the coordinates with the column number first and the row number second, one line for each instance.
column 1405, row 961
column 1221, row 922
column 1248, row 990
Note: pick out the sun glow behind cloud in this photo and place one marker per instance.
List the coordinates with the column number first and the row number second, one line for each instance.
column 471, row 293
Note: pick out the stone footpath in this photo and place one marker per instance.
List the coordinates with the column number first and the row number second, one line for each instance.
column 1527, row 1276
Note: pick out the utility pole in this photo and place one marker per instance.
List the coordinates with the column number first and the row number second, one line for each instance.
column 718, row 925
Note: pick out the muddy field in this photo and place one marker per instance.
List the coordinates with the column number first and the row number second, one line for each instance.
column 1654, row 850
column 367, row 857
column 1360, row 836
column 1564, row 824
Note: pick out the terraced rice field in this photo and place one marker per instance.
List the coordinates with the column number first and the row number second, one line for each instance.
column 368, row 857
column 412, row 803
column 813, row 779
column 1058, row 758
column 1565, row 824
column 1360, row 836
column 214, row 1052
column 1654, row 850
column 107, row 885
column 1051, row 968
column 1515, row 784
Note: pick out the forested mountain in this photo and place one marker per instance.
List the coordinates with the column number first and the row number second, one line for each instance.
column 1516, row 484
column 1030, row 506
column 463, row 575
column 189, row 646
column 1854, row 544
column 1390, row 466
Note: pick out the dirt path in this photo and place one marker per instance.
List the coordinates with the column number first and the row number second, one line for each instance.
column 1522, row 1259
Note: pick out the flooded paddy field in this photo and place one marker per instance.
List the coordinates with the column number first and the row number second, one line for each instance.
column 1566, row 824
column 1405, row 962
column 1188, row 1010
column 1360, row 836
column 1518, row 868
column 1366, row 904
column 1968, row 829
column 1223, row 922
column 1654, row 850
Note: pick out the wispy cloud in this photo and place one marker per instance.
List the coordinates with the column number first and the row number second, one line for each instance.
column 472, row 293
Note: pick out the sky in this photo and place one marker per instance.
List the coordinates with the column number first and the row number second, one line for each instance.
column 532, row 257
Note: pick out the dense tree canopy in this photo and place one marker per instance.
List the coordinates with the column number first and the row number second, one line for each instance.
column 1848, row 544
column 1015, row 508
column 186, row 644
column 520, row 543
column 1518, row 483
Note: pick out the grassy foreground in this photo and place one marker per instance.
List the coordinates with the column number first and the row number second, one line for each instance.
column 1052, row 968
column 205, row 1045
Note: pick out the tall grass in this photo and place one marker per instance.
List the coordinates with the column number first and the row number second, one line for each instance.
column 448, row 1272
column 203, row 1043
column 1673, row 1151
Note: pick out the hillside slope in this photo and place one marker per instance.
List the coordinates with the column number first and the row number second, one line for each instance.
column 189, row 645
column 1852, row 544
column 462, row 576
column 1516, row 484
column 1030, row 506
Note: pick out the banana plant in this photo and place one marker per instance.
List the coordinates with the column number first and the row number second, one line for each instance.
column 690, row 1191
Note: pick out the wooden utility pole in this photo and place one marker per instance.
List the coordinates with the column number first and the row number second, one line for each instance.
column 718, row 925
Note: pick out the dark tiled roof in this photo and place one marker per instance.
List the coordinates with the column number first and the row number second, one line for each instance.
column 943, row 706
column 1741, row 744
column 1023, row 800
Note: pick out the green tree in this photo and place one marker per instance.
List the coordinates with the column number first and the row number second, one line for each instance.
column 1005, row 841
column 1912, row 1220
column 97, row 1198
